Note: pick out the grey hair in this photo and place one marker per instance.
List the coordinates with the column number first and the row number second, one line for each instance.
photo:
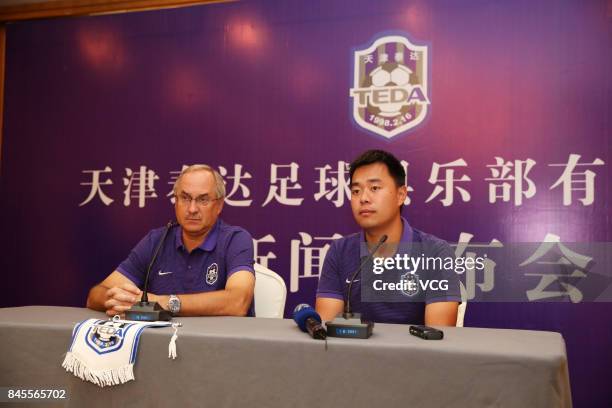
column 219, row 184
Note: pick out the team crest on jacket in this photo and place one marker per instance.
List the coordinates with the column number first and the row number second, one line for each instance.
column 212, row 274
column 390, row 86
column 106, row 336
column 410, row 284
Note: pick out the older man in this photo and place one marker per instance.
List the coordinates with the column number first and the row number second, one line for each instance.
column 205, row 266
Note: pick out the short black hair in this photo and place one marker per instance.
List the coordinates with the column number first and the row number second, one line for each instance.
column 380, row 156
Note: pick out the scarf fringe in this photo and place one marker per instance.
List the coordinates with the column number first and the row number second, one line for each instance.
column 102, row 378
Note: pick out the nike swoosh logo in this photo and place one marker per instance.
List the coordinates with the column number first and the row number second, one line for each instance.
column 356, row 280
column 160, row 273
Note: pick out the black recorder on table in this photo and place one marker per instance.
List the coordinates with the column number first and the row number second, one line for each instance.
column 426, row 332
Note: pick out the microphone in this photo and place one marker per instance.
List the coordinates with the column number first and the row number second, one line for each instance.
column 347, row 307
column 349, row 324
column 308, row 320
column 144, row 310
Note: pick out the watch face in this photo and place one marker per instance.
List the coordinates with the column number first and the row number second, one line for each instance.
column 174, row 304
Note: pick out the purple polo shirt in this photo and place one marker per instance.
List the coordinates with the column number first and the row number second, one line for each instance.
column 226, row 250
column 343, row 259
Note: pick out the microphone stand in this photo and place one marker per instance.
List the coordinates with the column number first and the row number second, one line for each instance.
column 349, row 324
column 144, row 310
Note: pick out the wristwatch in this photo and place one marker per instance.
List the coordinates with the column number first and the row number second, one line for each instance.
column 174, row 304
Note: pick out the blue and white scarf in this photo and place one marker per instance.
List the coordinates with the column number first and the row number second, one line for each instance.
column 104, row 351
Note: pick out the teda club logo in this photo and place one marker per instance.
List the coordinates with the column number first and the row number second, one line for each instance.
column 212, row 274
column 106, row 336
column 390, row 86
column 409, row 284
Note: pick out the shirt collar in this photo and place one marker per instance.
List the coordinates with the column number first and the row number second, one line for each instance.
column 210, row 242
column 178, row 238
column 406, row 239
column 406, row 231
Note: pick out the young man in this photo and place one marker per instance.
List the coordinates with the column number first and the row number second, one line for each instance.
column 378, row 192
column 205, row 266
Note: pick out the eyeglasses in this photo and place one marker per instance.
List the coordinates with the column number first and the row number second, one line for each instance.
column 201, row 201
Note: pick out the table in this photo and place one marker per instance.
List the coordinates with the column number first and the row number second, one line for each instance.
column 255, row 362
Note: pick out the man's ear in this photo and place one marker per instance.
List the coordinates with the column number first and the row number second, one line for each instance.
column 402, row 193
column 221, row 203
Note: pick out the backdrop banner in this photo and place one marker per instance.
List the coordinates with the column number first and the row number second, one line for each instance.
column 499, row 111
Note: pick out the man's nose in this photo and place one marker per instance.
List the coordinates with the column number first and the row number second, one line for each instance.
column 193, row 207
column 364, row 197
